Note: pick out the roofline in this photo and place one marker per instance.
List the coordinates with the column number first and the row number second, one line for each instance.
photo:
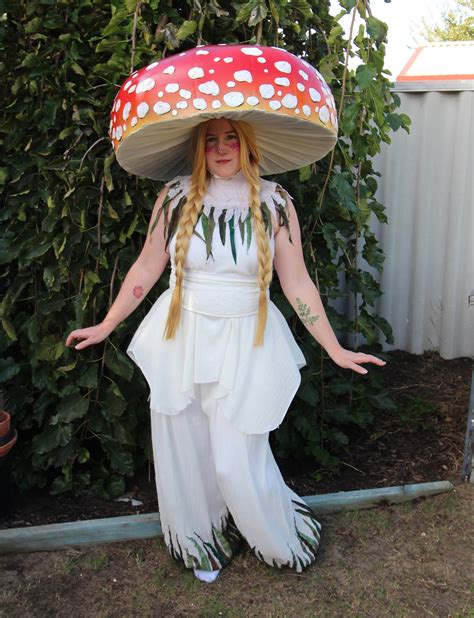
column 446, row 85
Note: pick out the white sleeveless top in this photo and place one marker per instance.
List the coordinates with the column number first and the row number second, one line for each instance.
column 214, row 342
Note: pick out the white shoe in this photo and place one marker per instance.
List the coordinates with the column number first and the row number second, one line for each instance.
column 207, row 576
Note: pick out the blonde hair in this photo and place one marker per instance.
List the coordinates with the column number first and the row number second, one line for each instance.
column 249, row 162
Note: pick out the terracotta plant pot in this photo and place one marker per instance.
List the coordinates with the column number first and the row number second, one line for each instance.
column 8, row 436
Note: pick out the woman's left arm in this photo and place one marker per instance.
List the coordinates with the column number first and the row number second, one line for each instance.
column 304, row 297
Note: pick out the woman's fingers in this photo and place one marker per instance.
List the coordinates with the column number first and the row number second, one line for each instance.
column 351, row 360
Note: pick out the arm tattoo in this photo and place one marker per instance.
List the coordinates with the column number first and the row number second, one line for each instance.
column 137, row 291
column 305, row 313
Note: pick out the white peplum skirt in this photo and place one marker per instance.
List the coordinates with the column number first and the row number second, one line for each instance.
column 253, row 386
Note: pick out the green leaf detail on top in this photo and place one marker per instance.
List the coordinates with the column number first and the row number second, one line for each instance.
column 210, row 221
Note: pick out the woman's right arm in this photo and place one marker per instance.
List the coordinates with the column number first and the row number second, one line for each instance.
column 141, row 277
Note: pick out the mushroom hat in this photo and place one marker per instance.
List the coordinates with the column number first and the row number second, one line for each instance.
column 283, row 97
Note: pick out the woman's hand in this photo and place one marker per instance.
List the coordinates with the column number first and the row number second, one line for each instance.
column 349, row 360
column 89, row 335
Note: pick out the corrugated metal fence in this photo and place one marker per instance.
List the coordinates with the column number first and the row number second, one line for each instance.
column 426, row 187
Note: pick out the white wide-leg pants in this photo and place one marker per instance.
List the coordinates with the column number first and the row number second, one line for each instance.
column 216, row 485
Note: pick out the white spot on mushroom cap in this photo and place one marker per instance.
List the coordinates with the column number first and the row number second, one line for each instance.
column 170, row 70
column 134, row 74
column 142, row 109
column 185, row 93
column 304, row 75
column 279, row 93
column 211, row 71
column 252, row 100
column 301, row 87
column 314, row 94
column 243, row 76
column 132, row 89
column 182, row 104
column 283, row 66
column 128, row 84
column 126, row 110
column 265, row 70
column 289, row 101
column 118, row 133
column 333, row 120
column 200, row 103
column 115, row 118
column 216, row 104
column 124, row 127
column 173, row 87
column 228, row 59
column 306, row 110
column 230, row 84
column 261, row 59
column 134, row 121
column 196, row 73
column 324, row 114
column 113, row 133
column 145, row 85
column 251, row 51
column 282, row 81
column 202, row 52
column 275, row 105
column 174, row 113
column 160, row 94
column 217, row 59
column 267, row 91
column 210, row 87
column 118, row 103
column 161, row 108
column 234, row 99
column 152, row 66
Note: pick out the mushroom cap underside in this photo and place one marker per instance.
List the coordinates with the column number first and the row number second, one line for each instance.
column 161, row 151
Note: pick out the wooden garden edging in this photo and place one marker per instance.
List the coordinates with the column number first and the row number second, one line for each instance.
column 58, row 536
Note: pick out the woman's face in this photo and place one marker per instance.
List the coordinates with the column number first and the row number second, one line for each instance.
column 222, row 148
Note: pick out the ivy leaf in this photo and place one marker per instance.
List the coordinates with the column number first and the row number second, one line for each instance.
column 71, row 407
column 119, row 364
column 51, row 348
column 186, row 29
column 8, row 369
column 365, row 75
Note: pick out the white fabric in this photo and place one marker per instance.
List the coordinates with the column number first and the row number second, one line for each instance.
column 253, row 386
column 206, row 471
column 207, row 576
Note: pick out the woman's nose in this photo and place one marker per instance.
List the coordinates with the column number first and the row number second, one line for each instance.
column 221, row 147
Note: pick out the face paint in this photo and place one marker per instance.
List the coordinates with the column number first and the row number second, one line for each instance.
column 137, row 291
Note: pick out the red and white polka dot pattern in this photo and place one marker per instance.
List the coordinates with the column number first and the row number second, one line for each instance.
column 215, row 79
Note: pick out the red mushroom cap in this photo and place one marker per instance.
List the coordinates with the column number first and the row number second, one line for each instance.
column 286, row 100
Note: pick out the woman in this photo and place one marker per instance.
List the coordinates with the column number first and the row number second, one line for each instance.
column 220, row 360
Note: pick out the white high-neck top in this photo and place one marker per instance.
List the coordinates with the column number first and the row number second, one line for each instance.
column 226, row 214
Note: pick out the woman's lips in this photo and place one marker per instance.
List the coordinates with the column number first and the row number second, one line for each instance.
column 223, row 161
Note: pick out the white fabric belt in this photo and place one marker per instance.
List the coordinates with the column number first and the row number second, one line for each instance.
column 219, row 295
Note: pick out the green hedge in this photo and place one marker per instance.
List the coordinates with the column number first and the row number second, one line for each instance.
column 73, row 222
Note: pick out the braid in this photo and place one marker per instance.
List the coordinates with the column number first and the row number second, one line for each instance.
column 265, row 262
column 187, row 222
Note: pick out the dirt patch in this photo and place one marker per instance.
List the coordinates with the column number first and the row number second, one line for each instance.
column 411, row 559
